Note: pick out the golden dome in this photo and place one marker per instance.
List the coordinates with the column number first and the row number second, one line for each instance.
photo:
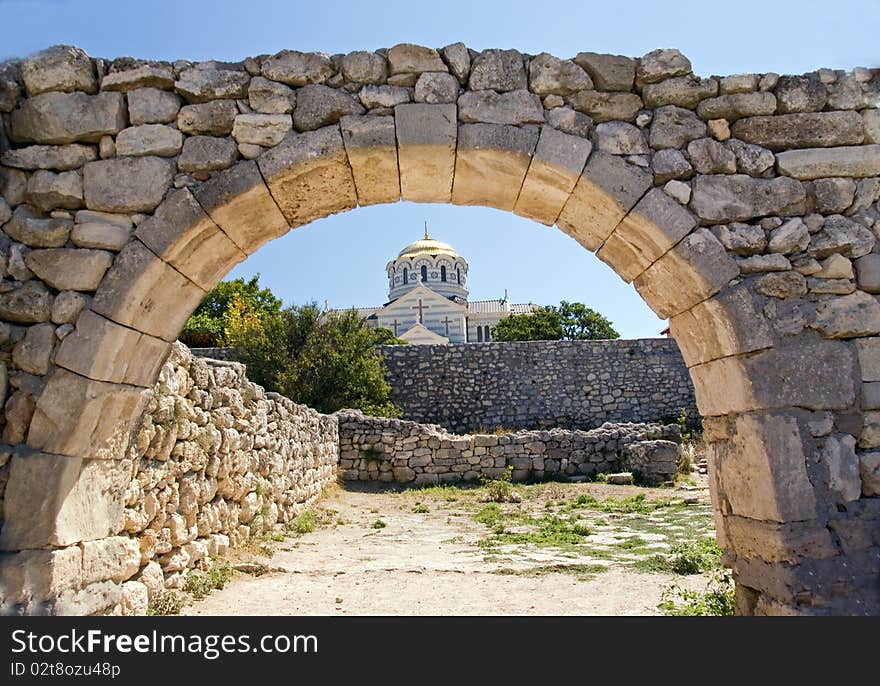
column 427, row 246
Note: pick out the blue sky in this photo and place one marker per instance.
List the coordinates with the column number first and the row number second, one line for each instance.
column 342, row 258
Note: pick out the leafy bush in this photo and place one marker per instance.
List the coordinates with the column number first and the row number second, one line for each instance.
column 696, row 556
column 378, row 524
column 498, row 490
column 165, row 603
column 200, row 585
column 304, row 523
column 715, row 600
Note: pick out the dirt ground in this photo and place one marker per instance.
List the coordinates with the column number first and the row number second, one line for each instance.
column 445, row 551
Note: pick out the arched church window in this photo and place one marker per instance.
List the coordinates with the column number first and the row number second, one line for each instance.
column 443, row 273
column 486, row 335
column 457, row 275
column 479, row 334
column 424, row 273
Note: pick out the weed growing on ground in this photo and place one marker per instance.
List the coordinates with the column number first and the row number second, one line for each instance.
column 689, row 557
column 421, row 508
column 715, row 600
column 200, row 585
column 165, row 603
column 304, row 523
column 498, row 490
column 378, row 524
column 583, row 572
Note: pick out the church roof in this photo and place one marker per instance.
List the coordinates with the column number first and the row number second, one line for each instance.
column 490, row 306
column 427, row 246
column 421, row 335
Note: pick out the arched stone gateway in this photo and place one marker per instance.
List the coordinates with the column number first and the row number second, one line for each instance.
column 743, row 208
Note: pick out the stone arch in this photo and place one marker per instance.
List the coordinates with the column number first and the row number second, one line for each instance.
column 723, row 238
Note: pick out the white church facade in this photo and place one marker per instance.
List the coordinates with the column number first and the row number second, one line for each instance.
column 428, row 298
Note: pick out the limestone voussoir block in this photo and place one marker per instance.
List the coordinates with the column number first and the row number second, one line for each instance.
column 31, row 579
column 426, row 139
column 77, row 416
column 371, row 146
column 182, row 234
column 491, row 163
column 695, row 269
column 762, row 469
column 556, row 166
column 309, row 176
column 239, row 202
column 607, row 189
column 105, row 351
column 773, row 542
column 55, row 500
column 145, row 293
column 645, row 234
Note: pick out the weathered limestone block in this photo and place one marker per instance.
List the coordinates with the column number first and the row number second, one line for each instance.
column 143, row 292
column 270, row 97
column 61, row 68
column 149, row 139
column 185, row 237
column 59, row 118
column 239, row 202
column 673, row 127
column 729, row 323
column 67, row 306
column 760, row 264
column 117, row 558
column 48, row 191
column 807, row 130
column 371, row 146
column 833, row 196
column 568, row 121
column 458, row 58
column 31, row 579
column 365, row 67
column 551, row 75
column 384, row 96
column 670, row 164
column 54, row 157
column 848, row 316
column 708, row 156
column 841, row 235
column 80, row 500
column 734, row 106
column 152, row 106
column 203, row 85
column 491, row 163
column 436, row 87
column 871, row 120
column 661, row 64
column 499, row 70
column 845, row 93
column 816, row 163
column 69, row 269
column 318, row 106
column 868, row 271
column 309, row 176
column 261, row 129
column 678, row 190
column 207, row 153
column 145, row 76
column 695, row 269
column 791, row 237
column 426, row 139
column 19, row 410
column 557, row 164
column 651, row 228
column 839, row 456
column 786, row 284
column 214, row 118
column 788, row 543
column 740, row 83
column 31, row 354
column 742, row 239
column 762, row 469
column 296, row 68
column 835, row 266
column 608, row 72
column 604, row 106
column 869, row 472
column 515, row 107
column 684, row 91
column 134, row 599
column 30, row 303
column 129, row 184
column 736, row 197
column 620, row 138
column 14, row 185
column 799, row 94
column 607, row 189
column 406, row 58
column 30, row 228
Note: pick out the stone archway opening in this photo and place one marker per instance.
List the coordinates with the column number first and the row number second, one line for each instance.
column 741, row 208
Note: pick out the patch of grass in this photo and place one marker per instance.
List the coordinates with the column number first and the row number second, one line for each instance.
column 378, row 524
column 636, row 504
column 421, row 508
column 200, row 585
column 715, row 600
column 549, row 531
column 689, row 557
column 634, row 543
column 583, row 572
column 491, row 515
column 655, row 564
column 165, row 603
column 305, row 523
column 273, row 537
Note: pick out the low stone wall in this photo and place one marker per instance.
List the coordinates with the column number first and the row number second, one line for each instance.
column 539, row 384
column 405, row 452
column 215, row 461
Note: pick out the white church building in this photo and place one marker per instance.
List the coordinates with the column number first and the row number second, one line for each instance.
column 428, row 298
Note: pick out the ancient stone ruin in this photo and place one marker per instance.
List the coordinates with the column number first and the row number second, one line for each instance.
column 743, row 208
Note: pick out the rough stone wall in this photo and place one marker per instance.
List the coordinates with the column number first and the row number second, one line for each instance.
column 215, row 461
column 743, row 208
column 538, row 384
column 405, row 452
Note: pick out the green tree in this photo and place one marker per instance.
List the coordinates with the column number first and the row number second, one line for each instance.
column 208, row 324
column 569, row 321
